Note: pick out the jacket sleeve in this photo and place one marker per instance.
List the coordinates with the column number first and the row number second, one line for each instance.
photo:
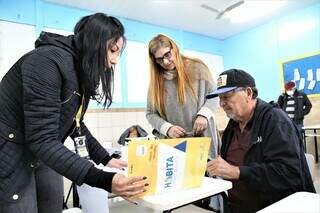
column 42, row 85
column 280, row 169
column 155, row 120
column 307, row 104
column 96, row 151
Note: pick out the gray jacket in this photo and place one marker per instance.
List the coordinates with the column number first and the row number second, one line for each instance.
column 185, row 115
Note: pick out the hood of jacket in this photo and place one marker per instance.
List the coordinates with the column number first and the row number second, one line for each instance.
column 65, row 42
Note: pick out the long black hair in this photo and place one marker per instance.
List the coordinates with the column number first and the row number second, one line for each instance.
column 91, row 36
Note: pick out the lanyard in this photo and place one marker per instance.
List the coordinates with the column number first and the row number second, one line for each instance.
column 79, row 113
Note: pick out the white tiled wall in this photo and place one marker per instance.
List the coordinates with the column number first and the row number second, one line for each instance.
column 108, row 126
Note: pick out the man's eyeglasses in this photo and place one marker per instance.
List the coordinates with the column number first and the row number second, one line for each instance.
column 167, row 56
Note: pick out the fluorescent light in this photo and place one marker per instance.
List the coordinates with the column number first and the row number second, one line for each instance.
column 253, row 9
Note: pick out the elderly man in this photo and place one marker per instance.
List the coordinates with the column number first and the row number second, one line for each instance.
column 261, row 149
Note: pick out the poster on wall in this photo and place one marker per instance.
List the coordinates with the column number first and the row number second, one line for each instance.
column 305, row 72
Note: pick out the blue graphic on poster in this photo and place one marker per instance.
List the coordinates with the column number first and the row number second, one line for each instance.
column 305, row 72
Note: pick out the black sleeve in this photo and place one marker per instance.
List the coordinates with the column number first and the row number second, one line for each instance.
column 99, row 178
column 307, row 104
column 42, row 84
column 281, row 166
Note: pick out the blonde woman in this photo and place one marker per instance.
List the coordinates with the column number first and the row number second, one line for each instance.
column 176, row 105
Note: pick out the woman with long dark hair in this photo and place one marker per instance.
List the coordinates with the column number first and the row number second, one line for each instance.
column 43, row 98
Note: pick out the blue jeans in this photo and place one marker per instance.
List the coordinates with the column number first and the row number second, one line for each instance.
column 43, row 194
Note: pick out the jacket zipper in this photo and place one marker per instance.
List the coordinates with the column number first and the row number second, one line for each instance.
column 69, row 98
column 73, row 117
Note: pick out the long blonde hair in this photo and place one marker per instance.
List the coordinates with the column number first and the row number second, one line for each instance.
column 183, row 81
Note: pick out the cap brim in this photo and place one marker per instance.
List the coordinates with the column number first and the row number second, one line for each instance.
column 219, row 91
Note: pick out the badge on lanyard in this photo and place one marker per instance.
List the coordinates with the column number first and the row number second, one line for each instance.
column 80, row 140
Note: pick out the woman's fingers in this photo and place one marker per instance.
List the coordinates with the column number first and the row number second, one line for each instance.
column 179, row 131
column 134, row 179
column 176, row 132
column 200, row 125
column 132, row 193
column 135, row 188
column 128, row 187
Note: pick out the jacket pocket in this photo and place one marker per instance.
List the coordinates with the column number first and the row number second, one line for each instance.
column 10, row 152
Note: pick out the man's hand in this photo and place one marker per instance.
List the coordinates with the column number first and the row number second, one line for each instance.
column 200, row 125
column 117, row 163
column 128, row 187
column 219, row 167
column 176, row 132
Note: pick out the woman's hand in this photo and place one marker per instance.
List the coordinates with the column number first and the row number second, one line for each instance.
column 200, row 125
column 128, row 187
column 117, row 163
column 176, row 132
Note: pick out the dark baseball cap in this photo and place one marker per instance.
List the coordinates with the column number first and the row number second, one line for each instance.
column 230, row 80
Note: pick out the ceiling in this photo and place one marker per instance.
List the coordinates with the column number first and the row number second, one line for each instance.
column 189, row 15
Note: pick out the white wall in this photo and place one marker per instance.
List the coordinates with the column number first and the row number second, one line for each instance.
column 137, row 69
column 15, row 41
column 108, row 126
column 18, row 39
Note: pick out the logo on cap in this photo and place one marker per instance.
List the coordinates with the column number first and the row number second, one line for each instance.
column 222, row 81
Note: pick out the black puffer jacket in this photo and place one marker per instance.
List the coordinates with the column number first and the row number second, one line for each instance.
column 274, row 165
column 39, row 97
column 302, row 105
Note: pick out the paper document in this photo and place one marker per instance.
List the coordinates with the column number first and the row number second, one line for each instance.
column 169, row 164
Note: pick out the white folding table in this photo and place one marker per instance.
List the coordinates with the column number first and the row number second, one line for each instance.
column 168, row 201
column 298, row 202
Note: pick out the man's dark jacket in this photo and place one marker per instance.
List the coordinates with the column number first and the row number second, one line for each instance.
column 274, row 165
column 302, row 105
column 39, row 98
